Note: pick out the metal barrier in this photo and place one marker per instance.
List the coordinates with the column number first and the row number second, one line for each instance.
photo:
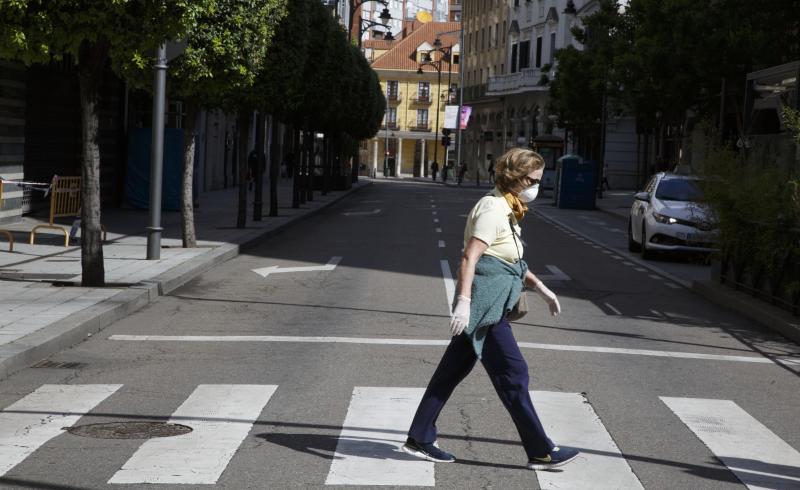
column 6, row 232
column 65, row 202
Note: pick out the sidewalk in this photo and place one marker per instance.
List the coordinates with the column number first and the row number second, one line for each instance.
column 43, row 309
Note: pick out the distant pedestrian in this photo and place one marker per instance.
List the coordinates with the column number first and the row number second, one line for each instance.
column 445, row 169
column 252, row 169
column 434, row 170
column 491, row 172
column 461, row 173
column 490, row 282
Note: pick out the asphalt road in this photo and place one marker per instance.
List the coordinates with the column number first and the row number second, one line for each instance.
column 295, row 379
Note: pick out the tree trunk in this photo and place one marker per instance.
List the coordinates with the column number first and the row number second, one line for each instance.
column 356, row 162
column 310, row 166
column 244, row 132
column 90, row 73
column 258, row 204
column 327, row 163
column 274, row 167
column 187, row 196
column 295, row 161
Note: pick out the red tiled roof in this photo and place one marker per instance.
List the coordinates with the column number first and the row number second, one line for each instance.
column 402, row 56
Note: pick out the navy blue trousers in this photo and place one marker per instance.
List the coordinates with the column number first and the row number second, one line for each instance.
column 509, row 374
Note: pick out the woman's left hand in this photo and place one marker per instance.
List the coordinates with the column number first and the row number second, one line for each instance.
column 549, row 297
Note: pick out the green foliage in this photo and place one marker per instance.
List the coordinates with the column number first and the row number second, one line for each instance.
column 36, row 31
column 280, row 81
column 670, row 56
column 341, row 92
column 228, row 47
column 758, row 211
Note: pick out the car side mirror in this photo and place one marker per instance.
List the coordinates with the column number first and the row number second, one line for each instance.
column 642, row 196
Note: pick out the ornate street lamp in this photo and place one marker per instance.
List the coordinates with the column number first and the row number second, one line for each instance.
column 446, row 52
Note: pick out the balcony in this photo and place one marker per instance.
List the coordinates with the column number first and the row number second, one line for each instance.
column 424, row 98
column 393, row 97
column 421, row 127
column 526, row 80
column 391, row 126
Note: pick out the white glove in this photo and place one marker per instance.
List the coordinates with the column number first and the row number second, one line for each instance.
column 549, row 297
column 460, row 318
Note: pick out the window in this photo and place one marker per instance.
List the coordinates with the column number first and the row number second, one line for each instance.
column 503, row 37
column 392, row 90
column 422, row 118
column 539, row 52
column 391, row 116
column 552, row 57
column 514, row 51
column 483, row 38
column 497, row 34
column 524, row 54
column 424, row 91
column 456, row 59
column 453, row 92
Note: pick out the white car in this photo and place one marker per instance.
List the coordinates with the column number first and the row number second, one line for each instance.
column 670, row 215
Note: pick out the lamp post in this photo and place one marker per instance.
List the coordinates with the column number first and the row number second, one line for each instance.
column 355, row 6
column 437, row 65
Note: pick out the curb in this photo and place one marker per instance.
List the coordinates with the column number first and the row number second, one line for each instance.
column 77, row 327
column 763, row 313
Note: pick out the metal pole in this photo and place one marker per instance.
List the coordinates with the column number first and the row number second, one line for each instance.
column 460, row 94
column 436, row 132
column 157, row 154
column 386, row 147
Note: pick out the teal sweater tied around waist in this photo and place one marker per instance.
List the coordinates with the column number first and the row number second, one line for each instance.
column 495, row 290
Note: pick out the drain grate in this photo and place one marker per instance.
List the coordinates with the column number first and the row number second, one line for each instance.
column 129, row 430
column 47, row 364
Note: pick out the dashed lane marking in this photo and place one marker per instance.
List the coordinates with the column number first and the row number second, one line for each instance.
column 449, row 283
column 610, row 307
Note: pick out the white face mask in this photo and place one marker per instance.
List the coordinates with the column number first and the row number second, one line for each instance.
column 529, row 194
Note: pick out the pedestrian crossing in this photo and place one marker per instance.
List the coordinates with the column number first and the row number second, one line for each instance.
column 368, row 452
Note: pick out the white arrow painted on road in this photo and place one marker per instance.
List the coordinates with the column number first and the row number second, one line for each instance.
column 274, row 269
column 556, row 274
column 362, row 213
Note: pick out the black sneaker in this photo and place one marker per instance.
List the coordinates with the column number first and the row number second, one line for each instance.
column 558, row 456
column 429, row 451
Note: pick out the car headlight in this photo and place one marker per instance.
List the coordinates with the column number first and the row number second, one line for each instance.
column 667, row 220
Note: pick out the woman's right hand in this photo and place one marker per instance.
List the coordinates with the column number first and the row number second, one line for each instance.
column 460, row 318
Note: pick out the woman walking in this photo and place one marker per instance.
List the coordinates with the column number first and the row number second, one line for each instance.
column 489, row 285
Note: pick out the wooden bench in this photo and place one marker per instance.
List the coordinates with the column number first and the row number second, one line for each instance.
column 65, row 202
column 6, row 232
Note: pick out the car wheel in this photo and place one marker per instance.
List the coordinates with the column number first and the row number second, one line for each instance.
column 646, row 253
column 632, row 245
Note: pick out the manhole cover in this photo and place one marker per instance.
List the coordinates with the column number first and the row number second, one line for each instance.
column 129, row 430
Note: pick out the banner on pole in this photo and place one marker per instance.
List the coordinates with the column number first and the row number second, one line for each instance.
column 450, row 116
column 466, row 112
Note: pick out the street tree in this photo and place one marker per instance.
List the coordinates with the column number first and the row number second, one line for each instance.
column 220, row 64
column 280, row 82
column 94, row 33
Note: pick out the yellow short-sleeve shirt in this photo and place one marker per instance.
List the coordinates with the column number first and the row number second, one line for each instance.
column 488, row 222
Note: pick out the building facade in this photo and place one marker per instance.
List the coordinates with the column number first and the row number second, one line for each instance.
column 506, row 81
column 410, row 139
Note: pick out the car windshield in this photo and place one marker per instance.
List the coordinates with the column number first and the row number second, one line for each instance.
column 679, row 190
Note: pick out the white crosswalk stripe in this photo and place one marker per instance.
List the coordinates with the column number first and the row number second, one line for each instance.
column 570, row 420
column 758, row 457
column 32, row 421
column 221, row 416
column 368, row 451
column 368, row 448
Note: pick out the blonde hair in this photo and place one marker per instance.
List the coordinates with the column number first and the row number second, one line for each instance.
column 515, row 164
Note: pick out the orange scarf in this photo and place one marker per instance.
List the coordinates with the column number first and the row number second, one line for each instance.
column 518, row 207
